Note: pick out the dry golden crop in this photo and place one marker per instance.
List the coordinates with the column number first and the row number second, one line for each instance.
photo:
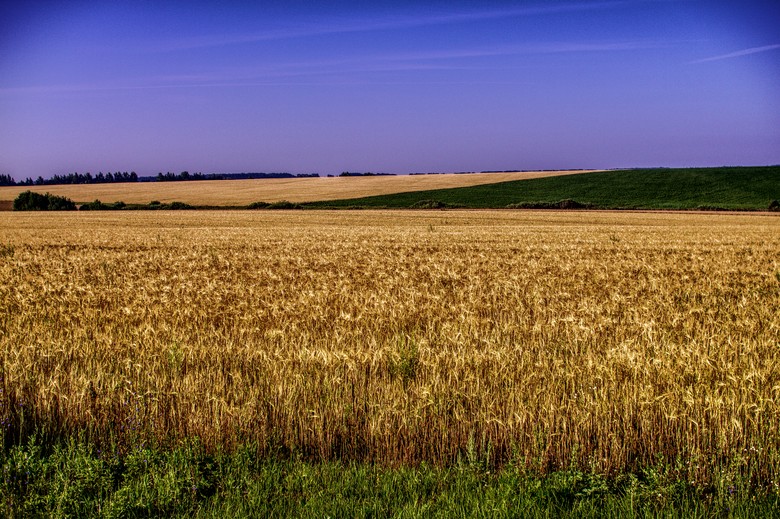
column 547, row 339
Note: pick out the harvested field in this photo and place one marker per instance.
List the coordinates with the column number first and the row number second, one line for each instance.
column 245, row 192
column 546, row 339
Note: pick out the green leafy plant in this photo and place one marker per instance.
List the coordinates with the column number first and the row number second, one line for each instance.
column 405, row 360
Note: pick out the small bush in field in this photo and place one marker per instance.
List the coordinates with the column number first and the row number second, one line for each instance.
column 31, row 201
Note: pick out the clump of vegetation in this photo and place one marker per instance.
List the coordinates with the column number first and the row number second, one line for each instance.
column 774, row 205
column 404, row 362
column 284, row 204
column 32, row 201
column 179, row 206
column 173, row 206
column 430, row 204
column 710, row 208
column 567, row 203
column 97, row 205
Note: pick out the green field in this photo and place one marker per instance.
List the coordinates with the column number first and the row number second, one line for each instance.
column 738, row 188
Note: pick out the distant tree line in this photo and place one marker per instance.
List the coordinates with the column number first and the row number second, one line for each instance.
column 185, row 175
column 366, row 174
column 124, row 176
column 531, row 170
column 72, row 178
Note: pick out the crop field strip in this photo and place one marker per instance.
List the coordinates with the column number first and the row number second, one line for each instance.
column 244, row 192
column 726, row 188
column 544, row 339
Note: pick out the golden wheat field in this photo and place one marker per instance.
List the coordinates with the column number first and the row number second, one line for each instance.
column 245, row 192
column 547, row 339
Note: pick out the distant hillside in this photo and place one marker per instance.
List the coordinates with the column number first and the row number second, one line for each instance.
column 738, row 188
column 241, row 193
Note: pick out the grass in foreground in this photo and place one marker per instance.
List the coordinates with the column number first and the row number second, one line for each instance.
column 77, row 479
column 749, row 188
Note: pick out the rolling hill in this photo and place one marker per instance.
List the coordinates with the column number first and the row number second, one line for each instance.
column 733, row 188
column 236, row 193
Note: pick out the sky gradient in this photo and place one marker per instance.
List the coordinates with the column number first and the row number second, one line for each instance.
column 392, row 87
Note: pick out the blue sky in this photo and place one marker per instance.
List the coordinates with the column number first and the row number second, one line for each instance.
column 387, row 86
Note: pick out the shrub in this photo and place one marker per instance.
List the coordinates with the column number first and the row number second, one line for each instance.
column 284, row 204
column 774, row 205
column 429, row 204
column 60, row 203
column 571, row 204
column 30, row 201
column 172, row 206
column 97, row 205
column 259, row 205
column 567, row 203
column 179, row 205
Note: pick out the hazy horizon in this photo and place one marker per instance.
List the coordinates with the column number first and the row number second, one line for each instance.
column 390, row 87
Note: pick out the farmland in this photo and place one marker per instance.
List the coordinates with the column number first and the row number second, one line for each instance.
column 537, row 342
column 222, row 193
column 725, row 188
column 739, row 188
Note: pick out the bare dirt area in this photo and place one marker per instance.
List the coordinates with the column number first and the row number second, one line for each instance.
column 245, row 192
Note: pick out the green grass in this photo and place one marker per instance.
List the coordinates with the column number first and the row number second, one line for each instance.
column 76, row 479
column 738, row 188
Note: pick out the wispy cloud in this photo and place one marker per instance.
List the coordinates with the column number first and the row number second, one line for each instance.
column 326, row 71
column 739, row 53
column 544, row 48
column 455, row 59
column 341, row 26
